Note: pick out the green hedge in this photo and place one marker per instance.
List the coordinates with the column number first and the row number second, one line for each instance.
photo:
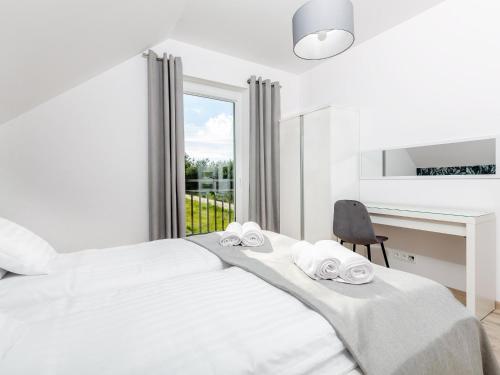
column 196, row 227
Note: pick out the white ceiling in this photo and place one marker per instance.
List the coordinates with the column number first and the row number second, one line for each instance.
column 49, row 46
column 261, row 30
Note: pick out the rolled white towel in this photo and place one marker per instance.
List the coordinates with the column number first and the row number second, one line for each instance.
column 353, row 268
column 317, row 263
column 252, row 234
column 232, row 235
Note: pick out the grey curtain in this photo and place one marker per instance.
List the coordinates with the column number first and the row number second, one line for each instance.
column 166, row 147
column 265, row 113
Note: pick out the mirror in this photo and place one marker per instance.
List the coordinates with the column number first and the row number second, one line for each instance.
column 467, row 158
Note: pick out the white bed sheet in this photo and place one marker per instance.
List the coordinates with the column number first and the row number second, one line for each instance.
column 89, row 271
column 141, row 317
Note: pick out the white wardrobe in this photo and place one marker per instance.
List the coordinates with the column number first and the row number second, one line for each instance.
column 319, row 165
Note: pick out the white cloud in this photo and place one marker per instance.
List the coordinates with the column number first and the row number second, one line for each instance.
column 213, row 140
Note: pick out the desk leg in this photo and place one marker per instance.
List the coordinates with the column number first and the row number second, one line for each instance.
column 470, row 267
column 481, row 267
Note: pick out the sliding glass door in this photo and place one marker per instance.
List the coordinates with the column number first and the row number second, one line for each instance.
column 209, row 126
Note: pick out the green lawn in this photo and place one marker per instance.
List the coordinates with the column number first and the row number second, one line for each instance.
column 196, row 227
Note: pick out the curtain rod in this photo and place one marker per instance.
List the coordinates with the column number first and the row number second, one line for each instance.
column 146, row 54
column 272, row 83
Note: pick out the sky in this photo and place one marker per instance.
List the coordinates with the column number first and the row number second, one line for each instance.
column 208, row 128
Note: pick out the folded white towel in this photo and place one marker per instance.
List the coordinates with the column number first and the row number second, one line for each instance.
column 248, row 234
column 232, row 235
column 251, row 234
column 317, row 262
column 353, row 268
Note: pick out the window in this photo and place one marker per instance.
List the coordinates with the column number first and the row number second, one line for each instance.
column 209, row 128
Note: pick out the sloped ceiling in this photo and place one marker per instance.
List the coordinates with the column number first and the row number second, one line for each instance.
column 50, row 46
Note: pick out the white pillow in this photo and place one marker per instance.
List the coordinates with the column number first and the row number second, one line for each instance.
column 22, row 251
column 2, row 273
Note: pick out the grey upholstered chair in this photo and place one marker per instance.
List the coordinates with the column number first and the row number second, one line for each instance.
column 352, row 224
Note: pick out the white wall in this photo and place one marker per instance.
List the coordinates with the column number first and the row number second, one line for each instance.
column 74, row 169
column 290, row 178
column 430, row 79
column 212, row 66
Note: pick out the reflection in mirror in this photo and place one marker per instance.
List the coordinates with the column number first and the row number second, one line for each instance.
column 460, row 158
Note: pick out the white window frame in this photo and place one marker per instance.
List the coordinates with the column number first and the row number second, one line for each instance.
column 237, row 95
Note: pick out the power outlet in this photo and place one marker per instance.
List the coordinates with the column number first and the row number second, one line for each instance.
column 402, row 256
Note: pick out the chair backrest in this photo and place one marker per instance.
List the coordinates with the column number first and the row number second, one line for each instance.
column 351, row 223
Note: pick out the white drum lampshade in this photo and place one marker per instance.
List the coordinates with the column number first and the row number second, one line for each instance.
column 323, row 28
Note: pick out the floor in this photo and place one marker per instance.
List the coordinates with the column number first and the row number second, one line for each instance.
column 491, row 324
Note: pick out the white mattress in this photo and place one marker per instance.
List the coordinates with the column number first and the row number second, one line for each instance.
column 166, row 307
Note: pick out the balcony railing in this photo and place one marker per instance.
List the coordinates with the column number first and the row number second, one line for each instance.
column 209, row 205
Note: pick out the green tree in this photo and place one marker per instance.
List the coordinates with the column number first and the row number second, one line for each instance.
column 209, row 170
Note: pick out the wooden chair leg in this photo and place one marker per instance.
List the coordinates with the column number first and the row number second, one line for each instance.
column 354, row 247
column 385, row 255
column 369, row 252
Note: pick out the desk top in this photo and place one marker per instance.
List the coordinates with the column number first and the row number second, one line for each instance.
column 400, row 210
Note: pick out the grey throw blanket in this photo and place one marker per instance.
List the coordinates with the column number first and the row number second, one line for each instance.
column 398, row 324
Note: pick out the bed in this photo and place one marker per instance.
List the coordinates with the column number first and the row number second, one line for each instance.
column 165, row 307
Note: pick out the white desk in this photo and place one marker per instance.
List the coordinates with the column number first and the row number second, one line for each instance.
column 476, row 226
